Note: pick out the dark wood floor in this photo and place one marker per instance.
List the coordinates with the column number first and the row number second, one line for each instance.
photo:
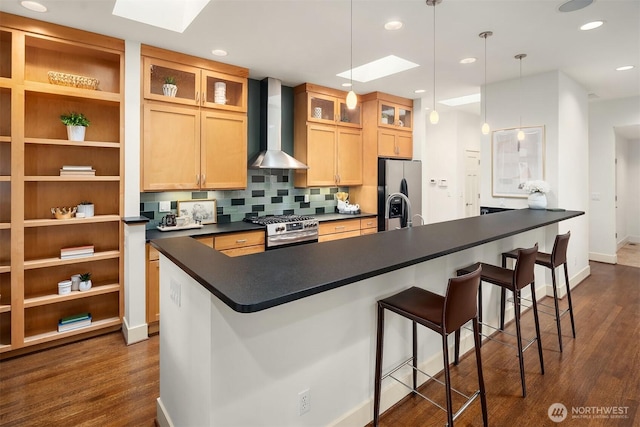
column 102, row 382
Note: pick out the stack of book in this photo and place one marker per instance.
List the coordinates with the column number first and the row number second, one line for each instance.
column 67, row 170
column 76, row 252
column 74, row 322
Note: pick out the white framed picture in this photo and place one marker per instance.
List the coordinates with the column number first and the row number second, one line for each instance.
column 514, row 161
column 198, row 210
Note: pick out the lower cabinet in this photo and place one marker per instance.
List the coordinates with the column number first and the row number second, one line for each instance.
column 153, row 289
column 236, row 244
column 368, row 226
column 341, row 229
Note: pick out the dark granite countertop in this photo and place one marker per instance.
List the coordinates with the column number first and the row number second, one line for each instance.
column 235, row 227
column 259, row 281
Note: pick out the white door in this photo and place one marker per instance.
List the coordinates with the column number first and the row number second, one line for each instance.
column 472, row 183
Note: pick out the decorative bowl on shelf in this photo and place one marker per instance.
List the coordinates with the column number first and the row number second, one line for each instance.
column 72, row 80
column 63, row 212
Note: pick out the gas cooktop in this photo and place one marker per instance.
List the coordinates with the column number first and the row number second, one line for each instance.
column 277, row 219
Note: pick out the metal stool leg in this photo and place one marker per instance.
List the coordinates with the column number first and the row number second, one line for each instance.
column 483, row 396
column 415, row 356
column 555, row 303
column 378, row 376
column 566, row 281
column 447, row 380
column 537, row 322
column 516, row 307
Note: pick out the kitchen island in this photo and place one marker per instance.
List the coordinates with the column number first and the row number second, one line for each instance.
column 241, row 337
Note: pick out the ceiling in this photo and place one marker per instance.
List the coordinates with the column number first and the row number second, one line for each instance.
column 301, row 41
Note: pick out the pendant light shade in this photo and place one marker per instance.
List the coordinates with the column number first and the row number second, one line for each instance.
column 520, row 134
column 352, row 99
column 485, row 127
column 434, row 117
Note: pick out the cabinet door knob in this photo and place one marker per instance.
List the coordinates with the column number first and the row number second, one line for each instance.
column 197, row 97
column 204, row 178
column 241, row 241
column 197, row 179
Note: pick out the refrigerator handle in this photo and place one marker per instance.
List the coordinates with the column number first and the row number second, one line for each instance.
column 404, row 189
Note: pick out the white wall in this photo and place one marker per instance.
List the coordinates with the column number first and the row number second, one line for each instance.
column 554, row 101
column 633, row 194
column 444, row 148
column 603, row 117
column 628, row 190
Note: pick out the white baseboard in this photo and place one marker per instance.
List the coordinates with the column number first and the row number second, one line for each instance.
column 609, row 259
column 162, row 416
column 574, row 281
column 136, row 334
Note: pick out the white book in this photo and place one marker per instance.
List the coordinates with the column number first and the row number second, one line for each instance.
column 76, row 168
column 74, row 325
column 76, row 256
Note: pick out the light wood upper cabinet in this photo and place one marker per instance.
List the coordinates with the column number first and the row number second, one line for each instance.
column 223, row 150
column 196, row 139
column 393, row 143
column 327, row 138
column 395, row 116
column 171, row 144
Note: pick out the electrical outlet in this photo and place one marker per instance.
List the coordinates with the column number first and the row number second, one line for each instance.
column 304, row 401
column 164, row 206
column 175, row 292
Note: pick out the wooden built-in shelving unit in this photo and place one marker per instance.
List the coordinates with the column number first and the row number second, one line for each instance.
column 33, row 148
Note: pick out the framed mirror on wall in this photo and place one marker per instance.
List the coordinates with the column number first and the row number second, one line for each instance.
column 515, row 162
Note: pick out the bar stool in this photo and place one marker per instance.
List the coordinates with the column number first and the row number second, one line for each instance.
column 442, row 314
column 513, row 280
column 556, row 258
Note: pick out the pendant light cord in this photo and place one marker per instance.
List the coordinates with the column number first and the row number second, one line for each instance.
column 434, row 56
column 351, row 30
column 485, row 77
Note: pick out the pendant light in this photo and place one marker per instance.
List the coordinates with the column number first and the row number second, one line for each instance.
column 485, row 126
column 519, row 57
column 352, row 99
column 434, row 117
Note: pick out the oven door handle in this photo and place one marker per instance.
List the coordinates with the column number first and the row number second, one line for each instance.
column 291, row 236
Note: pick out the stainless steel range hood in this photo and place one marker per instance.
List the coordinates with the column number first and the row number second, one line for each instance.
column 272, row 156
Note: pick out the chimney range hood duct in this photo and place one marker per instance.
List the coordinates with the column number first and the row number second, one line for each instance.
column 272, row 156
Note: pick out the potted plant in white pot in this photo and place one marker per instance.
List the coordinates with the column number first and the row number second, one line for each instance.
column 85, row 209
column 537, row 193
column 85, row 282
column 169, row 87
column 76, row 124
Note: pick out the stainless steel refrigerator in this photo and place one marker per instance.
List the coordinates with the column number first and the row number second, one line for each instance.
column 399, row 176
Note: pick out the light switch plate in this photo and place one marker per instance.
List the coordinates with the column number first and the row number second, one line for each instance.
column 164, row 206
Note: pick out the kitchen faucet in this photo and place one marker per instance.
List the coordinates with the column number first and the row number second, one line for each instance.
column 408, row 202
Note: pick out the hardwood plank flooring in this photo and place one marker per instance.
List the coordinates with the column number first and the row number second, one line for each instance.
column 103, row 382
column 629, row 255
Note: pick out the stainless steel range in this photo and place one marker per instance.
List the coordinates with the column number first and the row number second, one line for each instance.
column 287, row 230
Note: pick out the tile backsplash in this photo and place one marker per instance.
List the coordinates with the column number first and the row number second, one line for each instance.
column 269, row 192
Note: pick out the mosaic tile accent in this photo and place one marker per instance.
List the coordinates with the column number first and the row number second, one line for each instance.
column 267, row 193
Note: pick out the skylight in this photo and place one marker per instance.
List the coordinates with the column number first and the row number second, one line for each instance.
column 173, row 15
column 379, row 68
column 462, row 100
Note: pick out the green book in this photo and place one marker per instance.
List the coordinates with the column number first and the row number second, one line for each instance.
column 75, row 318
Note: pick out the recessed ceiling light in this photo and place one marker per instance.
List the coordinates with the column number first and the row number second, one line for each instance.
column 625, row 68
column 393, row 25
column 219, row 52
column 591, row 25
column 573, row 5
column 419, row 91
column 173, row 15
column 379, row 68
column 462, row 100
column 34, row 6
column 468, row 60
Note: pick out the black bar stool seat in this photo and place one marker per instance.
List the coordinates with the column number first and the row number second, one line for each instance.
column 513, row 280
column 444, row 315
column 555, row 259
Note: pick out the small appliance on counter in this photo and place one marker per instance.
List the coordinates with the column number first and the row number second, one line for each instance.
column 171, row 222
